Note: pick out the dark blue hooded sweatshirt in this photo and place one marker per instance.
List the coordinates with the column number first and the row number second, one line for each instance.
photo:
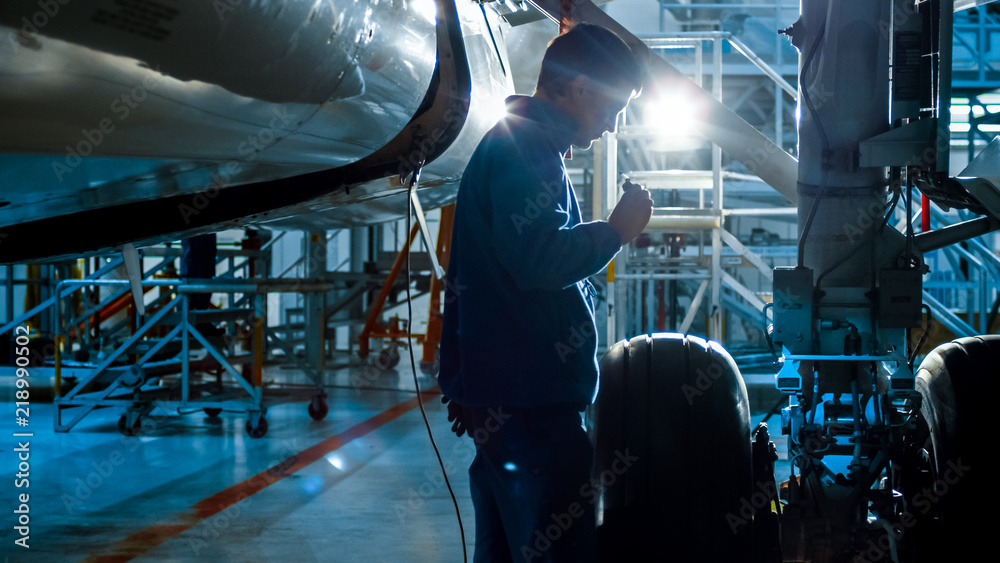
column 518, row 326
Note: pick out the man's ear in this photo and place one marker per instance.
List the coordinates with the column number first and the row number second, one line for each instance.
column 578, row 86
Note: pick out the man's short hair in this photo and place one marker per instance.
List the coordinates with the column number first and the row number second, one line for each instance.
column 591, row 50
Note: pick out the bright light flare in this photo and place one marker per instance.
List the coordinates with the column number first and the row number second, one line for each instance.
column 675, row 118
column 426, row 9
column 336, row 461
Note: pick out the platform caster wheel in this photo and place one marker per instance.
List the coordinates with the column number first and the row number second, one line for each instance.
column 259, row 431
column 388, row 358
column 127, row 430
column 318, row 408
column 212, row 412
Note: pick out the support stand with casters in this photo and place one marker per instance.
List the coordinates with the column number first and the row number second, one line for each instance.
column 256, row 425
column 130, row 422
column 318, row 407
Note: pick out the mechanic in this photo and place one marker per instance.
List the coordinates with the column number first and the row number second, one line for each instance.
column 518, row 349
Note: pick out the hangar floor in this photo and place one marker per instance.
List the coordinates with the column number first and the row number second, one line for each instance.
column 361, row 485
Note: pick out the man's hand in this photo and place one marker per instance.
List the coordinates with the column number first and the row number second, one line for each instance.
column 632, row 213
column 456, row 415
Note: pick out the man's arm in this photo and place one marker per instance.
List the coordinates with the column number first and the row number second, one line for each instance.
column 532, row 231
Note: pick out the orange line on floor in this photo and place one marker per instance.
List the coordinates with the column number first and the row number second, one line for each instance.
column 152, row 536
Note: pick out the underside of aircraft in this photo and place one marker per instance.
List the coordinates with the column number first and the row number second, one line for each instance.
column 156, row 121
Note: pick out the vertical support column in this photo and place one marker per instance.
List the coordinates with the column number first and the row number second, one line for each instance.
column 315, row 324
column 358, row 254
column 617, row 288
column 610, row 179
column 58, row 364
column 185, row 349
column 47, row 276
column 598, row 211
column 973, row 127
column 715, row 308
column 779, row 95
column 945, row 30
column 699, row 62
column 258, row 347
column 651, row 304
column 429, row 360
column 9, row 296
column 984, row 310
column 598, row 191
column 843, row 39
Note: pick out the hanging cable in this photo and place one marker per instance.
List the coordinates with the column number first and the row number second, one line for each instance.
column 923, row 337
column 410, row 191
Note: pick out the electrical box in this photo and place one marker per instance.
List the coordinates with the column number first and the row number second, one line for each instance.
column 900, row 298
column 793, row 309
column 788, row 380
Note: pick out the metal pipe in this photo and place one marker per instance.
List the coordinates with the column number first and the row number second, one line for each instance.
column 940, row 238
column 680, row 276
column 258, row 347
column 722, row 6
column 758, row 212
column 684, row 222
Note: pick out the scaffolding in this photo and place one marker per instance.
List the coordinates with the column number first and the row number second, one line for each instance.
column 107, row 352
column 689, row 250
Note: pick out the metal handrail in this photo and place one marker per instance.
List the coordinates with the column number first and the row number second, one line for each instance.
column 655, row 40
column 51, row 300
column 949, row 319
column 763, row 66
column 987, row 267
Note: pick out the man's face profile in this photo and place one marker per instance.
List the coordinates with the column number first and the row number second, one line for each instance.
column 595, row 107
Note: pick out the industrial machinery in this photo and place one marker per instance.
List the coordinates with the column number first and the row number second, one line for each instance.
column 887, row 464
column 887, row 456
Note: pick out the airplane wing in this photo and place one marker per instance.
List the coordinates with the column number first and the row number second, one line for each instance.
column 155, row 120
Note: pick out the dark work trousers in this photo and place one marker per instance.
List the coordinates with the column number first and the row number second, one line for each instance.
column 528, row 481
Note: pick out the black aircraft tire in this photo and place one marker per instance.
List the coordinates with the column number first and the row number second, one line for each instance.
column 959, row 382
column 671, row 430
